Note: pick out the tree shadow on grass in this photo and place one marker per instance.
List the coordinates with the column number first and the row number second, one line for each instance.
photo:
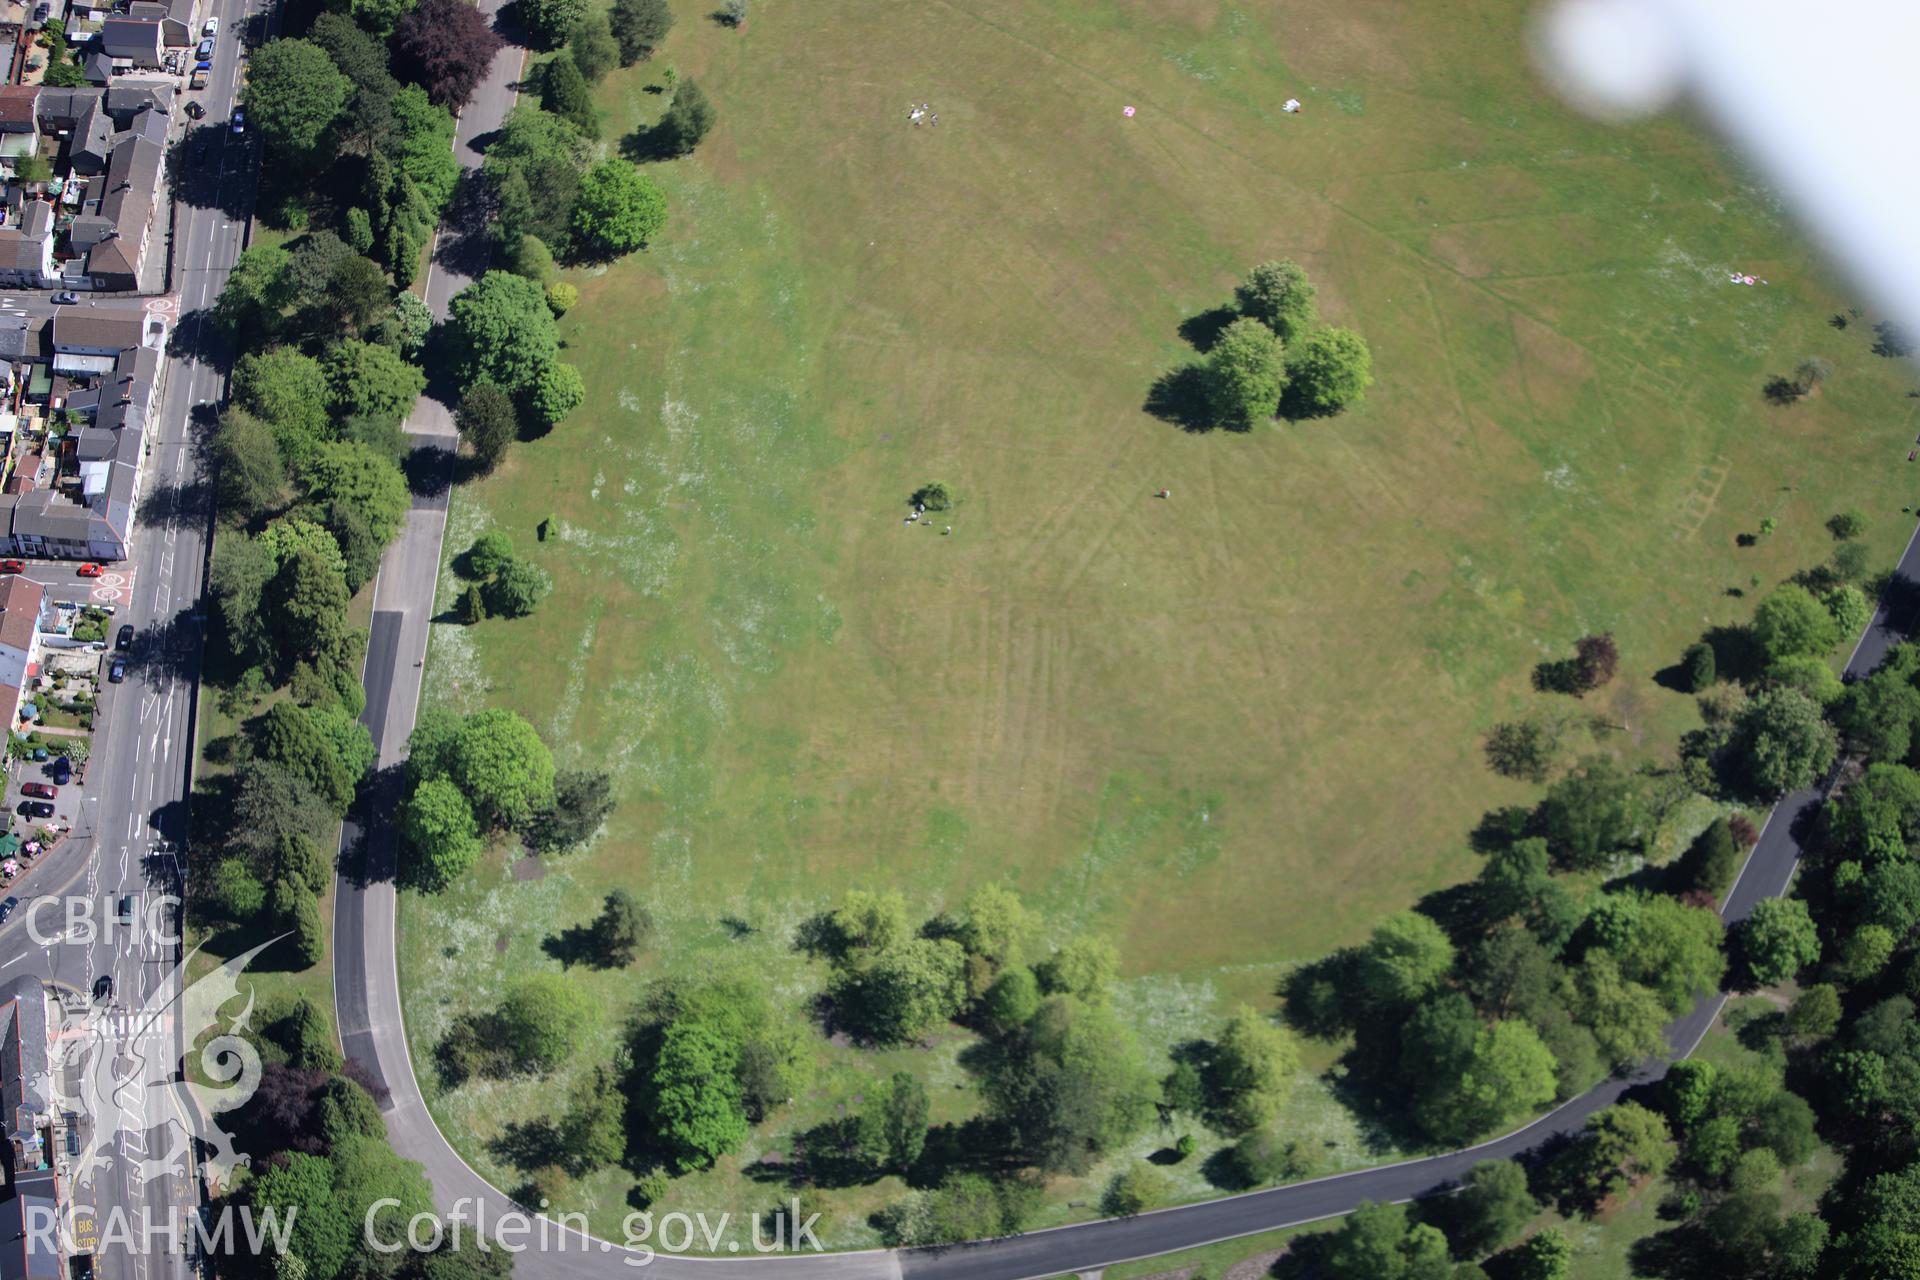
column 1737, row 655
column 1683, row 1253
column 823, row 1156
column 530, row 1144
column 578, row 944
column 1180, row 397
column 1203, row 330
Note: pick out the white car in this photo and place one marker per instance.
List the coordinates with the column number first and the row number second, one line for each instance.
column 212, row 28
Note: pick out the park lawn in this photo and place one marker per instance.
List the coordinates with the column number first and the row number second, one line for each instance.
column 1233, row 729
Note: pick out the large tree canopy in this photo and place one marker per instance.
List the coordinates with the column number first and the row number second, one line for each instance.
column 1245, row 373
column 1278, row 295
column 446, row 46
column 293, row 92
column 619, row 210
column 502, row 331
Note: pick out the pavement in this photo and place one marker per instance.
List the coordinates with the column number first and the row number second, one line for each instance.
column 130, row 818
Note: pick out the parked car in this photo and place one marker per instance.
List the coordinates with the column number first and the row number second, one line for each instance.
column 124, row 641
column 7, row 908
column 39, row 790
column 35, row 809
column 212, row 28
column 117, row 671
column 198, row 80
column 196, row 112
column 103, row 989
column 239, row 120
column 62, row 771
column 89, row 570
column 13, row 566
column 206, row 48
column 65, row 297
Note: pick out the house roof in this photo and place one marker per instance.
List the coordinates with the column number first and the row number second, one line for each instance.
column 132, row 179
column 29, row 1251
column 20, row 600
column 59, row 108
column 17, row 106
column 93, row 444
column 20, row 337
column 137, row 39
column 114, row 329
column 20, row 252
column 126, row 97
column 42, row 513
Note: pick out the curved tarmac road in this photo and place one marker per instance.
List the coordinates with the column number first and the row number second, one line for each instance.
column 372, row 1026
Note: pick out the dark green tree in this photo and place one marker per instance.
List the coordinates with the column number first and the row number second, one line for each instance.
column 1245, row 373
column 1713, row 859
column 1492, row 1206
column 1407, row 957
column 582, row 799
column 1591, row 814
column 543, row 1019
column 619, row 210
column 697, row 1106
column 892, row 1127
column 621, row 930
column 439, row 834
column 686, row 121
column 518, row 589
column 1781, row 742
column 501, row 331
column 639, row 26
column 487, row 422
column 1327, row 370
column 1278, row 295
column 293, row 92
column 594, row 49
column 249, row 476
column 549, row 21
column 1698, row 668
column 565, row 92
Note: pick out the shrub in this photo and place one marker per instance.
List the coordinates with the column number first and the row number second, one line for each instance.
column 1699, row 668
column 1138, row 1187
column 561, row 297
column 1846, row 524
column 1264, row 1157
column 933, row 495
column 734, row 13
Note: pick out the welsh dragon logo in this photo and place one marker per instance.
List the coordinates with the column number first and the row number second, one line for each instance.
column 116, row 1071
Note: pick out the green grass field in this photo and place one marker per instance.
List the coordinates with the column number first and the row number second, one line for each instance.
column 1233, row 729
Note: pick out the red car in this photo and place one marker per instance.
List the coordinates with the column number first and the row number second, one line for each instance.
column 89, row 570
column 13, row 566
column 39, row 789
